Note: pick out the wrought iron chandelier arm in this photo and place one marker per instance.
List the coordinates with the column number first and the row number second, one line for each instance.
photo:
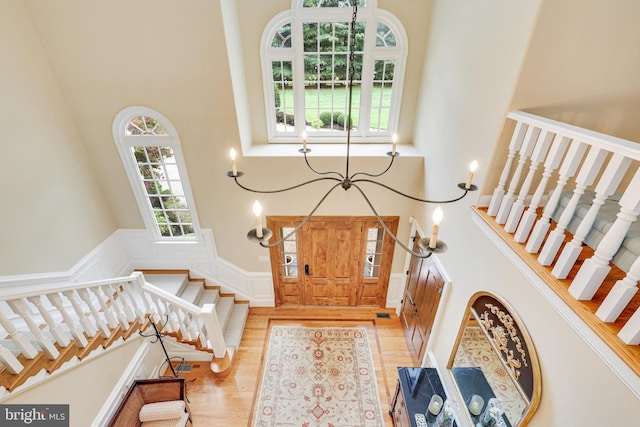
column 304, row 221
column 235, row 178
column 375, row 175
column 388, row 231
column 411, row 197
column 306, row 159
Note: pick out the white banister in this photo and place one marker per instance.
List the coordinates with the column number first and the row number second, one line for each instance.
column 59, row 333
column 87, row 296
column 122, row 302
column 607, row 185
column 552, row 162
column 112, row 297
column 537, row 157
column 20, row 308
column 587, row 175
column 595, row 269
column 23, row 343
column 89, row 327
column 567, row 170
column 525, row 152
column 514, row 146
column 182, row 317
column 104, row 303
column 76, row 332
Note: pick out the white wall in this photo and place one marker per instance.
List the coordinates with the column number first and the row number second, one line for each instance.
column 53, row 208
column 474, row 59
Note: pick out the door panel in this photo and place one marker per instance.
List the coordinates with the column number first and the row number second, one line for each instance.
column 331, row 250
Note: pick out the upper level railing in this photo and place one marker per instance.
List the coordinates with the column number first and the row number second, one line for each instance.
column 43, row 322
column 587, row 186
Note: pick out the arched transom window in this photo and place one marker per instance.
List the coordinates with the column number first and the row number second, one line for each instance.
column 306, row 60
column 150, row 150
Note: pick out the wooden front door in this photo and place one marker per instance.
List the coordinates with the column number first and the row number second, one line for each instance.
column 420, row 302
column 332, row 261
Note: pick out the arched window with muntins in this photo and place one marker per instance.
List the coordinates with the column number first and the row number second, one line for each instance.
column 306, row 61
column 150, row 151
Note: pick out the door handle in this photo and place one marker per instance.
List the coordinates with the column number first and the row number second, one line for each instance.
column 306, row 269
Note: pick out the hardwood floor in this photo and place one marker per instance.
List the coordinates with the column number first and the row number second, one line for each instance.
column 230, row 401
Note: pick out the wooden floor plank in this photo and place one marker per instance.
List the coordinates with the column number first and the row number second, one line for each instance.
column 231, row 401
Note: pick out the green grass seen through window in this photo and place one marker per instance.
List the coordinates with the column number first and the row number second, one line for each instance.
column 324, row 99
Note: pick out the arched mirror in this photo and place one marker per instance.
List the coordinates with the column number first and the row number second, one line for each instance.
column 494, row 364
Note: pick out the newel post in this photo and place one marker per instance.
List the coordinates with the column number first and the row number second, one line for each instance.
column 214, row 331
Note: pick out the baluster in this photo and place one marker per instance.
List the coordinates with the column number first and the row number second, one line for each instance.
column 23, row 343
column 588, row 173
column 59, row 333
column 124, row 303
column 158, row 309
column 630, row 332
column 86, row 295
column 20, row 308
column 185, row 329
column 620, row 295
column 607, row 185
column 595, row 269
column 567, row 170
column 116, row 305
column 129, row 292
column 9, row 361
column 552, row 162
column 202, row 335
column 539, row 153
column 525, row 152
column 170, row 315
column 107, row 311
column 76, row 332
column 89, row 327
column 514, row 146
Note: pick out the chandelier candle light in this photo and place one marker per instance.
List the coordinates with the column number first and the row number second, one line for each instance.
column 346, row 180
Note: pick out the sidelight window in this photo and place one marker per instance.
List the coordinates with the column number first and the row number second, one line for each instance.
column 373, row 252
column 289, row 253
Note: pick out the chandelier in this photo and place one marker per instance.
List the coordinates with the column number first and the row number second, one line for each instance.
column 347, row 180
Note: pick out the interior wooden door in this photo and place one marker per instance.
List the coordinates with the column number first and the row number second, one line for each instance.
column 409, row 310
column 432, row 283
column 331, row 262
column 420, row 302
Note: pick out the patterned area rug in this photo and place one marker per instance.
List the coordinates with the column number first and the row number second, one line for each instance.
column 318, row 377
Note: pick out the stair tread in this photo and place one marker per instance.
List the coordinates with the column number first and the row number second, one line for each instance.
column 172, row 283
column 209, row 296
column 192, row 292
column 235, row 326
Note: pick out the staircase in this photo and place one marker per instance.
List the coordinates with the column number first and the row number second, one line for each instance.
column 231, row 314
column 43, row 329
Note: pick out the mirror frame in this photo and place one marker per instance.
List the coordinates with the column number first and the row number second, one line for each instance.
column 492, row 312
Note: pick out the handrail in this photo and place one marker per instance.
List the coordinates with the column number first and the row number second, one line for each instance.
column 40, row 290
column 608, row 142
